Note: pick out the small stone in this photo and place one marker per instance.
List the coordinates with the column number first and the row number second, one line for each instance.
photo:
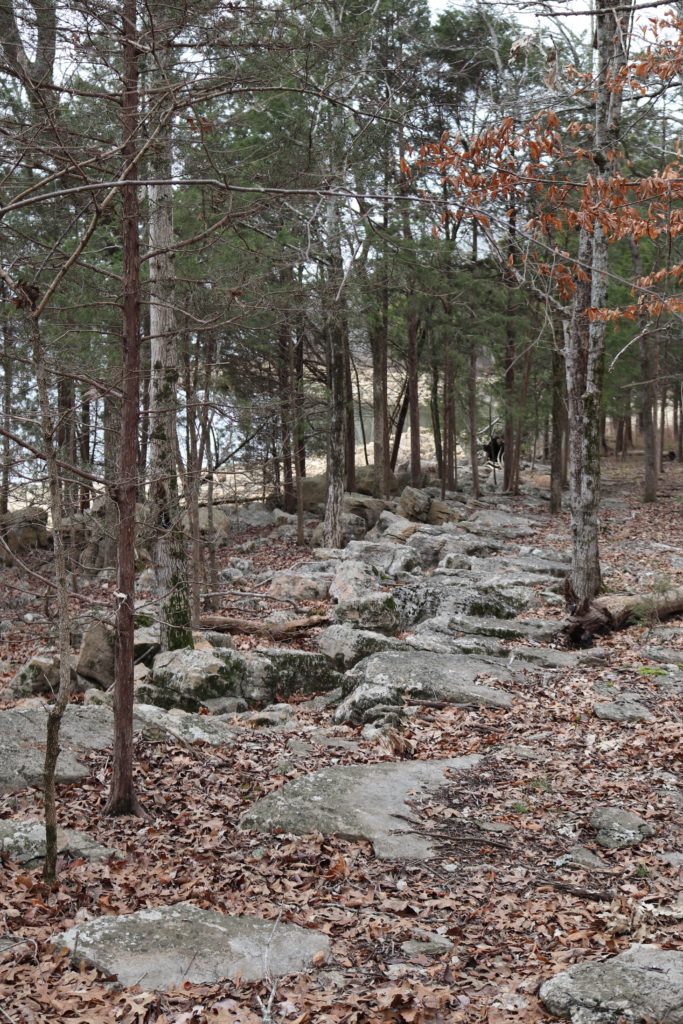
column 582, row 857
column 427, row 944
column 617, row 828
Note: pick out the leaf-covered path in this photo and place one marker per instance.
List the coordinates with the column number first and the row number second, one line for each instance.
column 503, row 891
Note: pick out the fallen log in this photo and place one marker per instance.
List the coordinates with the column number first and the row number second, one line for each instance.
column 612, row 612
column 253, row 627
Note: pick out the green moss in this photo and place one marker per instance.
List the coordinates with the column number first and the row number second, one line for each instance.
column 651, row 670
column 143, row 619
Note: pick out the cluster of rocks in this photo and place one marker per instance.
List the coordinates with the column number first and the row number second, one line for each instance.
column 425, row 601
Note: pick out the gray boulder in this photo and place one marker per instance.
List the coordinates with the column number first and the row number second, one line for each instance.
column 368, row 508
column 23, row 529
column 414, row 504
column 96, row 656
column 346, row 646
column 386, row 556
column 389, row 611
column 146, row 644
column 393, row 527
column 166, row 947
column 40, row 675
column 297, row 585
column 186, row 678
column 290, row 672
column 664, row 655
column 388, row 678
column 352, row 581
column 642, row 985
column 252, row 515
column 617, row 828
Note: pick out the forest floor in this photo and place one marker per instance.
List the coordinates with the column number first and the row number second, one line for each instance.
column 513, row 916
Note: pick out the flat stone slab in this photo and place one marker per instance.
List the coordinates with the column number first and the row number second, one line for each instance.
column 86, row 728
column 359, row 802
column 623, row 711
column 163, row 948
column 24, row 843
column 641, row 985
column 388, row 677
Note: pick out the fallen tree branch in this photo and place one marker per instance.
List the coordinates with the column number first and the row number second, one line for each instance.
column 275, row 630
column 599, row 896
column 612, row 612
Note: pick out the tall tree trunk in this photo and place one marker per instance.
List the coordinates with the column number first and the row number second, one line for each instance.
column 122, row 798
column 472, row 418
column 436, row 421
column 585, row 340
column 404, row 402
column 50, row 432
column 333, row 527
column 510, row 360
column 558, row 419
column 350, row 425
column 84, row 446
column 7, row 388
column 170, row 545
column 286, row 384
column 413, row 372
column 649, row 395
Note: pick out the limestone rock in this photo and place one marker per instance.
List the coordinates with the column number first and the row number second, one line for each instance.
column 499, row 525
column 623, row 711
column 24, row 843
column 384, row 555
column 389, row 611
column 353, row 528
column 664, row 655
column 441, row 512
column 96, row 656
column 414, row 504
column 187, row 677
column 22, row 529
column 427, row 944
column 582, row 857
column 365, row 480
column 146, row 644
column 393, row 527
column 359, row 802
column 368, row 508
column 163, row 948
column 291, row 672
column 346, row 646
column 389, row 677
column 617, row 828
column 40, row 675
column 352, row 581
column 641, row 985
column 298, row 586
column 176, row 724
column 252, row 515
